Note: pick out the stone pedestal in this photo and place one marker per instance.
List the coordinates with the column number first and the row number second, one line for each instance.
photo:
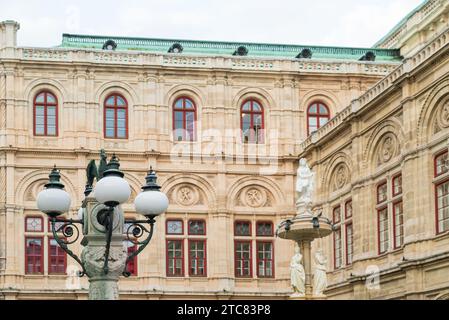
column 102, row 286
column 303, row 229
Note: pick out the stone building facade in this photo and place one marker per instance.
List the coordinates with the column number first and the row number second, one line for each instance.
column 224, row 125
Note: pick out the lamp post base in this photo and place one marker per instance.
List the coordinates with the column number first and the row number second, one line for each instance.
column 103, row 289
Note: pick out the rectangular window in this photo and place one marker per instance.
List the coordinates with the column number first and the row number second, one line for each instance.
column 397, row 185
column 337, row 249
column 242, row 228
column 34, row 224
column 175, row 227
column 382, row 193
column 264, row 229
column 34, row 255
column 57, row 259
column 175, row 258
column 441, row 166
column 337, row 214
column 349, row 243
column 197, row 227
column 197, row 258
column 243, row 259
column 398, row 225
column 132, row 264
column 442, row 204
column 265, row 266
column 348, row 209
column 383, row 230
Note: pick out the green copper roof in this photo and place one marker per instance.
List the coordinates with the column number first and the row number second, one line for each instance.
column 195, row 47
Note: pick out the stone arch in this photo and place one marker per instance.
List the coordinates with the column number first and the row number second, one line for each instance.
column 327, row 97
column 194, row 182
column 338, row 162
column 257, row 93
column 430, row 109
column 254, row 182
column 37, row 177
column 388, row 132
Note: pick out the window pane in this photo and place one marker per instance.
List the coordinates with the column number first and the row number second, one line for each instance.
column 440, row 163
column 197, row 227
column 40, row 129
column 264, row 229
column 109, row 132
column 120, row 101
column 51, row 130
column 242, row 229
column 246, row 106
column 313, row 109
column 34, row 224
column 179, row 104
column 188, row 104
column 51, row 98
column 39, row 111
column 110, row 101
column 313, row 122
column 40, row 98
column 256, row 107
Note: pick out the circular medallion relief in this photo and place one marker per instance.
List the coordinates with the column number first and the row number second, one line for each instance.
column 255, row 197
column 387, row 150
column 341, row 177
column 186, row 196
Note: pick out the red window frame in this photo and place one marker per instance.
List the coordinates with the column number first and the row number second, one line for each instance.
column 347, row 244
column 347, row 216
column 384, row 183
column 204, row 259
column 174, row 220
column 393, row 185
column 59, row 254
column 395, row 244
column 45, row 105
column 264, row 222
column 132, row 265
column 252, row 115
column 168, row 258
column 184, row 111
column 435, row 160
column 437, row 218
column 339, row 214
column 196, row 234
column 236, row 260
column 317, row 115
column 115, row 107
column 338, row 230
column 34, row 217
column 34, row 256
column 265, row 259
column 242, row 221
column 379, row 211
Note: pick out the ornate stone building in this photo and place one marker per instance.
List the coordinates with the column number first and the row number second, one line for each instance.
column 224, row 125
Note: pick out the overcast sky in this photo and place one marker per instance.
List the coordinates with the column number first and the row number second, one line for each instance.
column 356, row 23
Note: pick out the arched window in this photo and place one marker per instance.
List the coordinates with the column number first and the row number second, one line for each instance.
column 317, row 116
column 45, row 114
column 184, row 118
column 115, row 117
column 252, row 122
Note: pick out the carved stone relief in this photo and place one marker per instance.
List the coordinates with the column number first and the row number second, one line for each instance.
column 388, row 149
column 341, row 177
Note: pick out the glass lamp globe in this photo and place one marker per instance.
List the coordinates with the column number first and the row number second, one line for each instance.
column 53, row 200
column 112, row 189
column 151, row 201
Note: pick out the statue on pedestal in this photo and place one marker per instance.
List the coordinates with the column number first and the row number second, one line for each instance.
column 320, row 277
column 297, row 274
column 305, row 184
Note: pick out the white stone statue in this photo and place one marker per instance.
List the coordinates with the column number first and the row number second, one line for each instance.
column 305, row 183
column 297, row 274
column 320, row 277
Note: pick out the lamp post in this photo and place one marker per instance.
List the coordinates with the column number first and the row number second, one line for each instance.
column 104, row 257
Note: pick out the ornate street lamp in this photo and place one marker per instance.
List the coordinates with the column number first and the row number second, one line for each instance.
column 104, row 257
